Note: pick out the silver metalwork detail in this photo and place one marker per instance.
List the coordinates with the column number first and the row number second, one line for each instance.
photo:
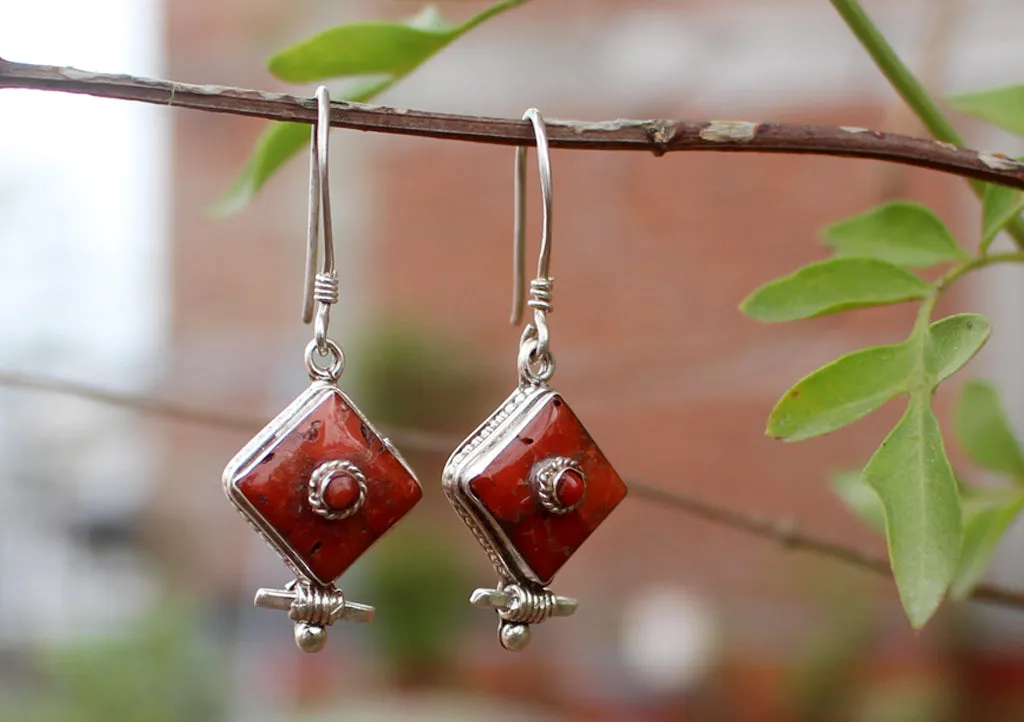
column 521, row 597
column 478, row 450
column 313, row 609
column 520, row 606
column 335, row 362
column 547, row 475
column 325, row 288
column 534, row 367
column 496, row 419
column 540, row 294
column 481, row 536
column 321, row 478
column 266, row 442
column 519, row 229
column 536, row 363
column 312, row 603
column 321, row 286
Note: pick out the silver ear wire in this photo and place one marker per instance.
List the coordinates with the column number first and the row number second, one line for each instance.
column 519, row 239
column 320, row 287
column 536, row 363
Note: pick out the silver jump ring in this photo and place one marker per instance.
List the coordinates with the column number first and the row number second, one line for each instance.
column 537, row 333
column 534, row 367
column 332, row 371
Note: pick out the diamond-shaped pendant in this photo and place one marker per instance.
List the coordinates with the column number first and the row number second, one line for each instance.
column 532, row 486
column 321, row 486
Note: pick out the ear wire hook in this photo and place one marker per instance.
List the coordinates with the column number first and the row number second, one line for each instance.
column 320, row 288
column 536, row 363
column 519, row 250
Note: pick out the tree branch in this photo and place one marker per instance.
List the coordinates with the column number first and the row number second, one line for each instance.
column 783, row 533
column 655, row 136
column 909, row 88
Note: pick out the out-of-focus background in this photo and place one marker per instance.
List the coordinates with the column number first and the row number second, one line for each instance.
column 126, row 578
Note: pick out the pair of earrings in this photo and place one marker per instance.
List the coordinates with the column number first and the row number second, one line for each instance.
column 321, row 484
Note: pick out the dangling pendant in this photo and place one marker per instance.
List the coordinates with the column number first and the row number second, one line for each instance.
column 530, row 482
column 532, row 485
column 321, row 486
column 319, row 483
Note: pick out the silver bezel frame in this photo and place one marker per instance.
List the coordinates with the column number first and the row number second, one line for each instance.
column 474, row 455
column 266, row 441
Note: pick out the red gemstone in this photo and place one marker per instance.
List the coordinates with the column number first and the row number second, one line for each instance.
column 569, row 489
column 545, row 541
column 341, row 492
column 271, row 485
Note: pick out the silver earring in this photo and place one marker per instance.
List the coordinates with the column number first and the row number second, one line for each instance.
column 530, row 482
column 319, row 483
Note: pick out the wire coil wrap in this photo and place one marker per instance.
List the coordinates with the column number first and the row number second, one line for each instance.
column 540, row 294
column 316, row 606
column 325, row 288
column 528, row 606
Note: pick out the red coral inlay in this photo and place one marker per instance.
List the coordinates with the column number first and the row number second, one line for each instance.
column 278, row 488
column 546, row 540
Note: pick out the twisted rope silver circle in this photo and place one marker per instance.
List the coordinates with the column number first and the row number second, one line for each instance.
column 545, row 477
column 322, row 476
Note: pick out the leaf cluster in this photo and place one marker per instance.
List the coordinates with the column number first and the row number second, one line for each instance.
column 940, row 532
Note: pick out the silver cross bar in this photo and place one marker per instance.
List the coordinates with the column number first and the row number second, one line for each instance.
column 313, row 610
column 504, row 600
column 520, row 607
column 282, row 600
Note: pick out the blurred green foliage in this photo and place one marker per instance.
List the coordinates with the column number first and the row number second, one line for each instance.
column 410, row 376
column 160, row 670
column 419, row 584
column 413, row 377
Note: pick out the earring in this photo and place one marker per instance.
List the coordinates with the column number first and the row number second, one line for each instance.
column 319, row 483
column 530, row 482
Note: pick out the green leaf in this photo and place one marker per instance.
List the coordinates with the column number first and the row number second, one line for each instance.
column 842, row 392
column 984, row 431
column 1003, row 107
column 833, row 286
column 860, row 498
column 952, row 342
column 361, row 49
column 905, row 234
column 986, row 520
column 853, row 386
column 1000, row 206
column 278, row 143
column 387, row 51
column 913, row 479
column 909, row 473
column 986, row 517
